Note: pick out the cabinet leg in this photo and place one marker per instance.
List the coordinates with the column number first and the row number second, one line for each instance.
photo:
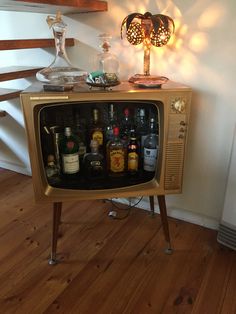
column 164, row 220
column 151, row 201
column 57, row 207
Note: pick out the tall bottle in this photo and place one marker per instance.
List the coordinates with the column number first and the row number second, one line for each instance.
column 116, row 155
column 93, row 163
column 79, row 132
column 96, row 129
column 69, row 149
column 126, row 124
column 112, row 122
column 151, row 148
column 142, row 128
column 133, row 154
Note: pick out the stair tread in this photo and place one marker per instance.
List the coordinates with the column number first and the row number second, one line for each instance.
column 17, row 72
column 32, row 43
column 49, row 6
column 6, row 93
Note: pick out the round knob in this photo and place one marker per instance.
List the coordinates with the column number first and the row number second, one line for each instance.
column 178, row 105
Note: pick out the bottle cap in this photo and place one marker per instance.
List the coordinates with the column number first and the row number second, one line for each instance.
column 116, row 131
column 94, row 144
column 51, row 158
column 68, row 131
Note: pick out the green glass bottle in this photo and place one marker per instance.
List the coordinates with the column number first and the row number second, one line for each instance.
column 69, row 150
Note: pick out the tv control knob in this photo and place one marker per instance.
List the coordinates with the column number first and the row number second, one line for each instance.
column 178, row 105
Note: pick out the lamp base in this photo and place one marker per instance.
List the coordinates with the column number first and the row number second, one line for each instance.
column 148, row 80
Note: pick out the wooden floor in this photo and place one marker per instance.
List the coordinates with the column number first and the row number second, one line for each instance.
column 107, row 265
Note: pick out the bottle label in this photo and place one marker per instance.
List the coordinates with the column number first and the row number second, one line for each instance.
column 117, row 158
column 133, row 161
column 70, row 163
column 150, row 156
column 98, row 136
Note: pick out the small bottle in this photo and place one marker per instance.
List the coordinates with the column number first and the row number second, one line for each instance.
column 69, row 150
column 126, row 125
column 151, row 148
column 111, row 123
column 93, row 163
column 116, row 155
column 51, row 170
column 133, row 154
column 96, row 130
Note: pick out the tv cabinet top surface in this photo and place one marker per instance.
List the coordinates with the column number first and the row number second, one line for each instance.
column 124, row 86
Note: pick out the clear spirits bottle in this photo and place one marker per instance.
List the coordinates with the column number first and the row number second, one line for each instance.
column 151, row 148
column 60, row 71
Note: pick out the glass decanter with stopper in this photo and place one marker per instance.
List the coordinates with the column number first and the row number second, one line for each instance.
column 106, row 66
column 60, row 71
column 107, row 61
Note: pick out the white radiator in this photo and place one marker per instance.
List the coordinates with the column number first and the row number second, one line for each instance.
column 227, row 228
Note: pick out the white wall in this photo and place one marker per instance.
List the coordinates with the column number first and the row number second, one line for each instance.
column 201, row 55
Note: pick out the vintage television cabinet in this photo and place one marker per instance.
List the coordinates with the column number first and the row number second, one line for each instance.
column 170, row 104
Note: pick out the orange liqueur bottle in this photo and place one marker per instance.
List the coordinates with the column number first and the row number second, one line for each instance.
column 116, row 155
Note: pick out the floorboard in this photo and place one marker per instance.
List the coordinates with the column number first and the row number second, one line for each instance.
column 106, row 265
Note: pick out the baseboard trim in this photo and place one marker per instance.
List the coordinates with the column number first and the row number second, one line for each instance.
column 177, row 213
column 16, row 168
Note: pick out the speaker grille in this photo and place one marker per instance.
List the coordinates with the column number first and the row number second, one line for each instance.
column 227, row 236
column 174, row 165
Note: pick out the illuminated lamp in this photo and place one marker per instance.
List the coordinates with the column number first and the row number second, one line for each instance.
column 150, row 30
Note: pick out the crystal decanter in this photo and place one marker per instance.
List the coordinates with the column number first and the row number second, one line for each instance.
column 107, row 62
column 60, row 71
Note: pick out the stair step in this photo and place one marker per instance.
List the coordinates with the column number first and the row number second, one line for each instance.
column 32, row 43
column 7, row 94
column 17, row 72
column 49, row 6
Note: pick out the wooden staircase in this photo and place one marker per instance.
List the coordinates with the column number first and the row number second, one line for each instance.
column 38, row 6
column 17, row 72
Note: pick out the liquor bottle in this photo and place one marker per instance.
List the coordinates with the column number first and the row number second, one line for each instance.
column 116, row 155
column 69, row 150
column 151, row 148
column 126, row 125
column 80, row 132
column 112, row 122
column 142, row 128
column 93, row 163
column 96, row 129
column 133, row 153
column 52, row 170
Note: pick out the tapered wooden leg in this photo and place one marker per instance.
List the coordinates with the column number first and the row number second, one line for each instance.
column 164, row 220
column 151, row 200
column 57, row 207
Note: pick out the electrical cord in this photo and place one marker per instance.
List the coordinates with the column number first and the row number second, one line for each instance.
column 113, row 214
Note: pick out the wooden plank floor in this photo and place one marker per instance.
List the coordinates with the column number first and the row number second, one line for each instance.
column 107, row 266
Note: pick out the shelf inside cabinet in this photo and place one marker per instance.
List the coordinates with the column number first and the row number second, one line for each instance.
column 51, row 6
column 32, row 43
